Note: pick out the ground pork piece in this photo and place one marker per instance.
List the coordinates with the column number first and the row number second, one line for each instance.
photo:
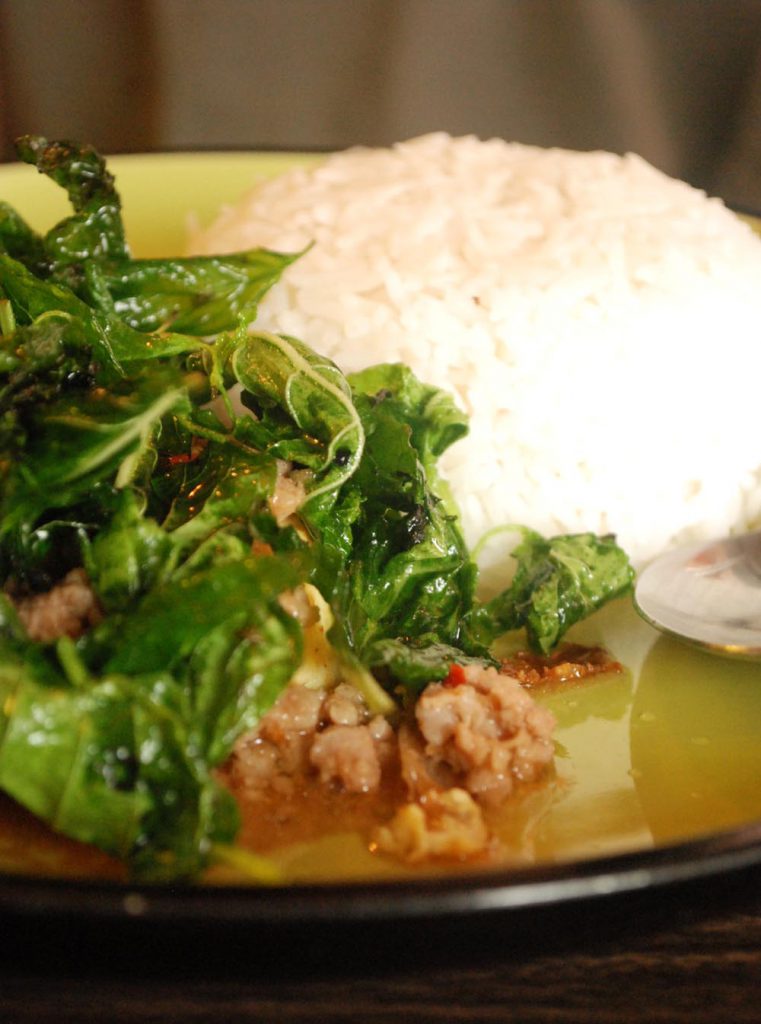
column 268, row 758
column 353, row 749
column 289, row 493
column 290, row 725
column 308, row 730
column 255, row 769
column 345, row 706
column 346, row 754
column 68, row 609
column 442, row 824
column 421, row 774
column 385, row 740
column 488, row 730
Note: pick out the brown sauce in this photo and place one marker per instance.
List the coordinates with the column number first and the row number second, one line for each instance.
column 29, row 847
column 313, row 810
column 569, row 663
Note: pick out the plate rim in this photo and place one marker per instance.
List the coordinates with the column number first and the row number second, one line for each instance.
column 474, row 892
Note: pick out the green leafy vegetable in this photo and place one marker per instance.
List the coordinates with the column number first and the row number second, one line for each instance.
column 70, row 448
column 87, row 252
column 434, row 420
column 313, row 392
column 112, row 343
column 107, row 762
column 124, row 758
column 95, row 230
column 558, row 582
column 18, row 240
column 416, row 663
column 198, row 295
column 410, row 572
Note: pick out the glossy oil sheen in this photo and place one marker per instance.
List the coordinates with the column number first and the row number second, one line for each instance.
column 668, row 750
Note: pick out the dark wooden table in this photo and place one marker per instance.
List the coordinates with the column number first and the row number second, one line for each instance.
column 687, row 953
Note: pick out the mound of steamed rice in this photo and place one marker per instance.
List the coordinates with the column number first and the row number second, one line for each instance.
column 597, row 320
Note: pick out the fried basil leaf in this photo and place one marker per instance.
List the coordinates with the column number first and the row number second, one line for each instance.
column 558, row 582
column 313, row 394
column 121, row 754
column 396, row 565
column 88, row 253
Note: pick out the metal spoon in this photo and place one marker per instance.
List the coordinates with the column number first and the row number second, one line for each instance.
column 708, row 594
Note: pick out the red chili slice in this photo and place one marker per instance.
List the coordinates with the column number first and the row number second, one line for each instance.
column 456, row 675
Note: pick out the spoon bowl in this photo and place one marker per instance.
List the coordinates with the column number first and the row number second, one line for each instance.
column 708, row 594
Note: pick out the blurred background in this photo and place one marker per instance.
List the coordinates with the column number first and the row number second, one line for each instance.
column 678, row 81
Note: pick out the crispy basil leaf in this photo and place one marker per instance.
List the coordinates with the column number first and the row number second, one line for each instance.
column 114, row 344
column 123, row 756
column 18, row 240
column 313, row 393
column 107, row 761
column 199, row 295
column 126, row 557
column 87, row 252
column 416, row 663
column 434, row 419
column 558, row 582
column 72, row 447
column 95, row 231
column 396, row 563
